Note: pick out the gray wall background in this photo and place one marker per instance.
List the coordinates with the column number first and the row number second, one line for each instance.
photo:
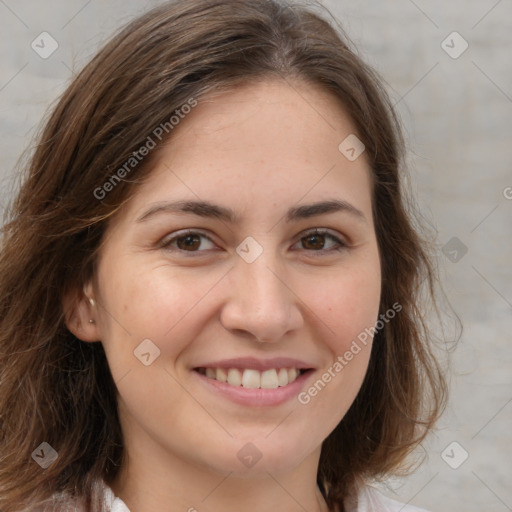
column 457, row 113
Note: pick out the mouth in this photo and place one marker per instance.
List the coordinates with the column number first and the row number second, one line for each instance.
column 250, row 378
column 253, row 381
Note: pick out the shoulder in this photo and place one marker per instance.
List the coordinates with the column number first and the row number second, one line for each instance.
column 104, row 499
column 370, row 499
column 112, row 503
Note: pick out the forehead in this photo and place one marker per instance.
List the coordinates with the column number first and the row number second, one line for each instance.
column 260, row 145
column 274, row 113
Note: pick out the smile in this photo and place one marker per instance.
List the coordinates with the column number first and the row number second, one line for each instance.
column 250, row 378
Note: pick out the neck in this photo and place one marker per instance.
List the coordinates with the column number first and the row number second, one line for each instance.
column 157, row 481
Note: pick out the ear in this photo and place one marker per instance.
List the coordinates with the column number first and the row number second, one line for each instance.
column 79, row 309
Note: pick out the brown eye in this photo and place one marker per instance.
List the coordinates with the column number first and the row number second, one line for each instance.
column 188, row 241
column 315, row 241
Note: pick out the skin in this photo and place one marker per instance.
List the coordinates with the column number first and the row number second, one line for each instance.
column 259, row 150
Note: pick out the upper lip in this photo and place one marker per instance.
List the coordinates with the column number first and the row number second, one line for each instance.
column 258, row 364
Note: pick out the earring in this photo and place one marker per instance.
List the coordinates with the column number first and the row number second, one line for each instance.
column 91, row 321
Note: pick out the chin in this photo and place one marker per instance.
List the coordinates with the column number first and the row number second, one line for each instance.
column 260, row 456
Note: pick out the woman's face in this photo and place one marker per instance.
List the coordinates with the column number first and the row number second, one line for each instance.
column 254, row 298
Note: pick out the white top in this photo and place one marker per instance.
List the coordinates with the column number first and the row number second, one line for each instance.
column 114, row 504
column 369, row 499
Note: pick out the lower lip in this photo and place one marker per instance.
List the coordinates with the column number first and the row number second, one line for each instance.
column 255, row 397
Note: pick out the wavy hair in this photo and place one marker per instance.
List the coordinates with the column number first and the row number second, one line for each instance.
column 57, row 389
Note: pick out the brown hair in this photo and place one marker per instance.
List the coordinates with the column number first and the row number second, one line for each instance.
column 59, row 390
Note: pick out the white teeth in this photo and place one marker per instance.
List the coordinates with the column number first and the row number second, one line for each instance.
column 282, row 377
column 251, row 379
column 234, row 377
column 269, row 379
column 292, row 374
column 254, row 379
column 221, row 375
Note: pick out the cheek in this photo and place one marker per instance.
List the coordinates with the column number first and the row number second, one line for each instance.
column 153, row 302
column 348, row 304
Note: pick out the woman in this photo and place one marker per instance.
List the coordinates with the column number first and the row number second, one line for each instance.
column 209, row 280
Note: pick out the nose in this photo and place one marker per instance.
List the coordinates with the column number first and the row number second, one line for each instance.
column 261, row 303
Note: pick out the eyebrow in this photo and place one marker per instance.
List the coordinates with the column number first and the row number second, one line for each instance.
column 208, row 209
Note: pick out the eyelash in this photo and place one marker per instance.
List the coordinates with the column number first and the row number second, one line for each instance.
column 166, row 243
